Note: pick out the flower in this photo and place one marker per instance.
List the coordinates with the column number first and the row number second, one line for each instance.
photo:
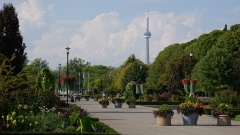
column 163, row 111
column 224, row 109
column 189, row 107
column 185, row 81
column 118, row 99
column 193, row 81
column 103, row 101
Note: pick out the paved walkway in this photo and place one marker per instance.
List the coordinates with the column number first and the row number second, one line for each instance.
column 140, row 121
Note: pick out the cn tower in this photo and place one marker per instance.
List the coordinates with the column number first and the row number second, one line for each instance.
column 147, row 35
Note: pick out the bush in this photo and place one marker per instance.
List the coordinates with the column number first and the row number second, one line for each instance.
column 228, row 97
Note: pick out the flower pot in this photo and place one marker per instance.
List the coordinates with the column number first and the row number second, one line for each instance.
column 164, row 121
column 118, row 104
column 132, row 105
column 87, row 98
column 224, row 120
column 190, row 119
column 103, row 106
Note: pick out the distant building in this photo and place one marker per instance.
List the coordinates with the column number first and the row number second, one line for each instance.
column 147, row 35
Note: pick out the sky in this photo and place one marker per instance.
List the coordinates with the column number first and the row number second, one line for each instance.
column 107, row 32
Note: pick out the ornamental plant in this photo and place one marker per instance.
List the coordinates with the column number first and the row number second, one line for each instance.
column 224, row 109
column 103, row 101
column 189, row 107
column 163, row 111
column 131, row 100
column 189, row 86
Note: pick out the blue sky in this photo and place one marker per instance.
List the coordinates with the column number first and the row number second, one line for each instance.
column 106, row 32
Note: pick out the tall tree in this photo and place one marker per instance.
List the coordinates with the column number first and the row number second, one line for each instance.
column 11, row 41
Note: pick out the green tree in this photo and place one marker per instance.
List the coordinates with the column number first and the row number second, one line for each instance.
column 11, row 41
column 33, row 69
column 45, row 81
column 215, row 71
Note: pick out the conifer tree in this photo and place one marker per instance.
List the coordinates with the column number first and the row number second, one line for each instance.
column 11, row 41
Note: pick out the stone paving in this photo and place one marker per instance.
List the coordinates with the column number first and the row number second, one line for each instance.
column 140, row 121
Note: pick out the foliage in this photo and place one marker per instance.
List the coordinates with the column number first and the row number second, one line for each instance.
column 224, row 109
column 11, row 40
column 131, row 100
column 219, row 74
column 227, row 96
column 163, row 111
column 68, row 83
column 215, row 63
column 188, row 108
column 103, row 101
column 118, row 99
column 10, row 84
column 130, row 71
column 45, row 81
column 237, row 118
column 33, row 69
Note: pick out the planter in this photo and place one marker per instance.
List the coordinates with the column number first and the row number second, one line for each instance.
column 103, row 106
column 164, row 121
column 87, row 98
column 224, row 120
column 190, row 119
column 118, row 104
column 95, row 99
column 132, row 105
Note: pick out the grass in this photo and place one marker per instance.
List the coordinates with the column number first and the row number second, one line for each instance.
column 237, row 118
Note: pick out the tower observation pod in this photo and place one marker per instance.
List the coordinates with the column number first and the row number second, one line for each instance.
column 147, row 35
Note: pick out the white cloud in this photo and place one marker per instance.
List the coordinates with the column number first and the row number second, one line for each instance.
column 108, row 40
column 32, row 12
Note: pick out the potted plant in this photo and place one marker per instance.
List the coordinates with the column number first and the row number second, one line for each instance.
column 190, row 112
column 86, row 96
column 224, row 114
column 163, row 115
column 96, row 97
column 104, row 102
column 118, row 101
column 131, row 101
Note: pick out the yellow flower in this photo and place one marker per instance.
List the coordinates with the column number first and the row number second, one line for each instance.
column 14, row 113
column 14, row 122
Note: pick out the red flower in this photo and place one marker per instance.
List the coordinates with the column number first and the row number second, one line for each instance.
column 185, row 81
column 194, row 81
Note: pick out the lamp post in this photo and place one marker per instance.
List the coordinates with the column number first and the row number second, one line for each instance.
column 67, row 71
column 59, row 81
column 191, row 55
column 79, row 88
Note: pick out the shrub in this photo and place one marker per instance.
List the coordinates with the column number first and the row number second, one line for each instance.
column 227, row 96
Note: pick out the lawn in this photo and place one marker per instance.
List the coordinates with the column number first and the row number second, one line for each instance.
column 237, row 118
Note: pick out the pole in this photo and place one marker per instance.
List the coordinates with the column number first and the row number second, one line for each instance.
column 88, row 81
column 79, row 74
column 67, row 72
column 59, row 81
column 67, row 77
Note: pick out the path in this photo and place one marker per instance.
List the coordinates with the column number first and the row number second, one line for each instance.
column 140, row 121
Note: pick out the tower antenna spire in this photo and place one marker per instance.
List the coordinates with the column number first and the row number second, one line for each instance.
column 147, row 35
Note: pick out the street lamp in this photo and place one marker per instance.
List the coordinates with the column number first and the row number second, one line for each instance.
column 59, row 81
column 191, row 55
column 79, row 88
column 67, row 72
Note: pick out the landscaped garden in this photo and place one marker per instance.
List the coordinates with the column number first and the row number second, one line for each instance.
column 30, row 93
